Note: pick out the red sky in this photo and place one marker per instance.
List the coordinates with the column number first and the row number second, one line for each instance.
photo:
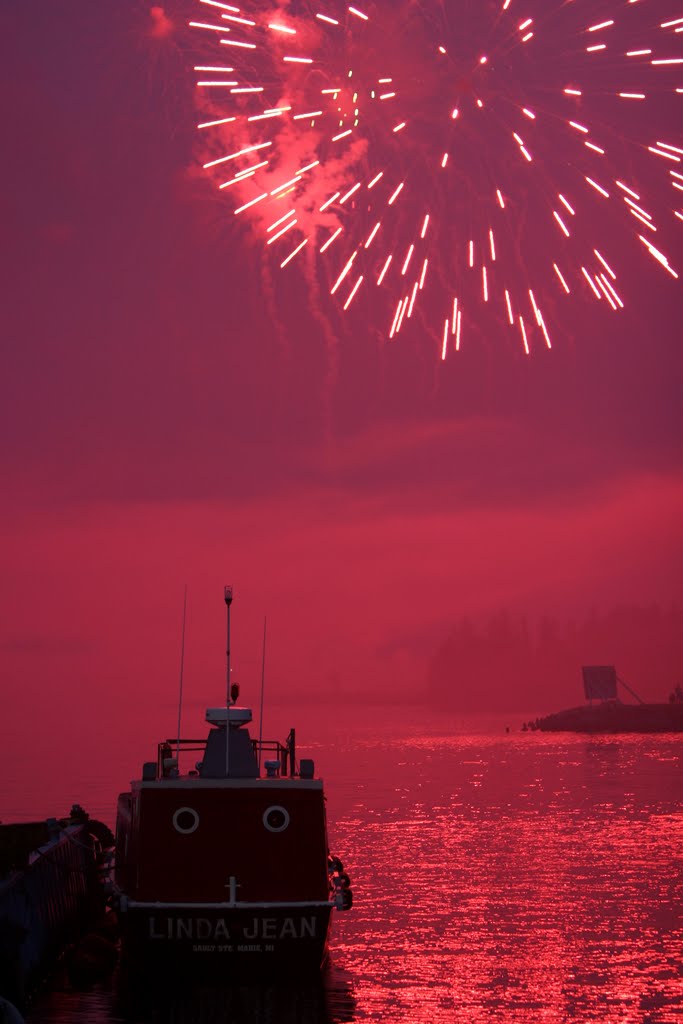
column 159, row 428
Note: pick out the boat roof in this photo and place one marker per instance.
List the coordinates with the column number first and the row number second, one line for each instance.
column 197, row 782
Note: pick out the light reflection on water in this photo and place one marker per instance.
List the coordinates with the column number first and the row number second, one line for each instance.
column 328, row 1001
column 512, row 878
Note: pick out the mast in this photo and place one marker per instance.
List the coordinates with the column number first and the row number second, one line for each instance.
column 263, row 679
column 227, row 593
column 182, row 665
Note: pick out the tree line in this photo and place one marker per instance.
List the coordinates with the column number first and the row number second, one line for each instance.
column 512, row 661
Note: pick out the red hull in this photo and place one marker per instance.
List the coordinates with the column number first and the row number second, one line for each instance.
column 223, row 939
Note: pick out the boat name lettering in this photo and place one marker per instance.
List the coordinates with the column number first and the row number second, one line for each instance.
column 268, row 948
column 217, row 929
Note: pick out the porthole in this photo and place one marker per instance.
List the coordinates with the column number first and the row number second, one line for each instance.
column 185, row 820
column 276, row 819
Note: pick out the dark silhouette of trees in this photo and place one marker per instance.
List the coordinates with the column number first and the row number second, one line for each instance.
column 507, row 662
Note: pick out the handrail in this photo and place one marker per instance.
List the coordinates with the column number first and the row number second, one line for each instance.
column 284, row 752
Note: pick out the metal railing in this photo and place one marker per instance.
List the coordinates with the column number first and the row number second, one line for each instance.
column 285, row 753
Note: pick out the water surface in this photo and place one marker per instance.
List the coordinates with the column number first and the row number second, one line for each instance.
column 497, row 876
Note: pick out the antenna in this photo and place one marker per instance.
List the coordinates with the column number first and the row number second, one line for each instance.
column 182, row 665
column 263, row 678
column 227, row 593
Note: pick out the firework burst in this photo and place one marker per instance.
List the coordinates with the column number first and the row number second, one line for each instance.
column 444, row 164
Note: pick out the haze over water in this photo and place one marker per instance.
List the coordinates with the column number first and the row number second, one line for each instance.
column 503, row 877
column 173, row 414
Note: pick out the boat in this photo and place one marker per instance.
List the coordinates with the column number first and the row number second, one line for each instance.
column 52, row 888
column 226, row 866
column 605, row 712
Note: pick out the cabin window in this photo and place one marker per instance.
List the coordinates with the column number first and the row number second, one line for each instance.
column 185, row 820
column 276, row 819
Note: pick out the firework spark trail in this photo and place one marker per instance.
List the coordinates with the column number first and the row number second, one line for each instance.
column 491, row 168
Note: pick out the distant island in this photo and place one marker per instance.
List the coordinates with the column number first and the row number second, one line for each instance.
column 605, row 712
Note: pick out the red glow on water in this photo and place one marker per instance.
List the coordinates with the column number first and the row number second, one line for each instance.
column 515, row 881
